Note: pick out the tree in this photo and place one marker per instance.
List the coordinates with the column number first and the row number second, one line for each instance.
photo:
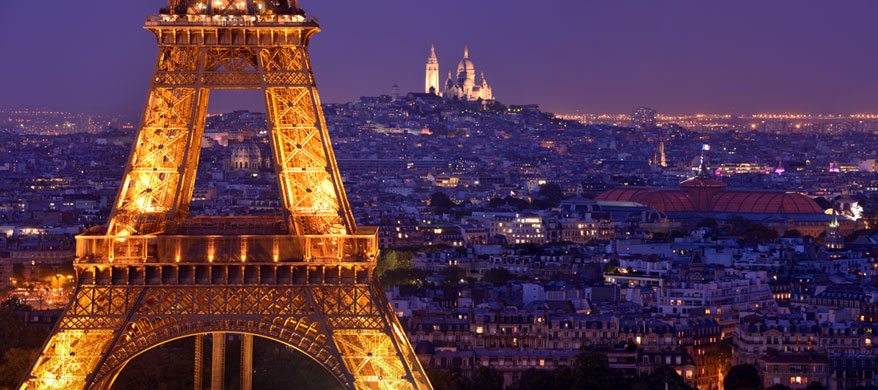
column 591, row 370
column 552, row 194
column 631, row 346
column 717, row 358
column 708, row 223
column 743, row 377
column 497, row 276
column 16, row 361
column 460, row 381
column 496, row 202
column 659, row 377
column 520, row 204
column 452, row 273
column 533, row 379
column 748, row 230
column 440, row 379
column 16, row 333
column 387, row 261
column 402, row 277
column 487, row 378
column 779, row 387
column 563, row 378
column 763, row 232
column 14, row 304
column 675, row 234
column 792, row 233
column 816, row 385
column 392, row 259
column 441, row 201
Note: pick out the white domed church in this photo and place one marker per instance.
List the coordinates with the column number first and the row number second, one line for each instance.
column 246, row 157
column 464, row 87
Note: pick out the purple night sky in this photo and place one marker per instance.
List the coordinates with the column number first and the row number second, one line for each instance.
column 568, row 56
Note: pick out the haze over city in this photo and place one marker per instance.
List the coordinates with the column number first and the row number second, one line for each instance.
column 568, row 56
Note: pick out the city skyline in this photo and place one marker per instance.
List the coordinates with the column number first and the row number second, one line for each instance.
column 583, row 58
column 671, row 196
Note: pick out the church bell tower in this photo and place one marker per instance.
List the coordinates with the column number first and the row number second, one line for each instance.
column 431, row 84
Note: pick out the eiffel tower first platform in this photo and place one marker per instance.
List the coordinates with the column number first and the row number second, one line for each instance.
column 153, row 274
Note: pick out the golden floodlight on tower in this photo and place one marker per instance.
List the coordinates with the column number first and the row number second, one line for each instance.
column 154, row 274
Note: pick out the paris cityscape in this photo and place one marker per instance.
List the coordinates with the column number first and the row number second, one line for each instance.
column 240, row 231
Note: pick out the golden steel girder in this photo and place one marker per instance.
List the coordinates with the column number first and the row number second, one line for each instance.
column 347, row 328
column 160, row 174
column 313, row 289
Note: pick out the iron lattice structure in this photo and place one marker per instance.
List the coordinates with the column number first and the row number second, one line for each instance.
column 152, row 275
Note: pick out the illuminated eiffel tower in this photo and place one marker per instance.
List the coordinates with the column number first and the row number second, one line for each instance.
column 153, row 274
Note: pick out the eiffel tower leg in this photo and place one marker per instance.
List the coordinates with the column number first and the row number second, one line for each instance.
column 246, row 362
column 79, row 342
column 199, row 362
column 160, row 173
column 308, row 178
column 218, row 362
column 369, row 338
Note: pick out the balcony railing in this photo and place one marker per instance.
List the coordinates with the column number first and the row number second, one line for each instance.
column 156, row 249
column 227, row 20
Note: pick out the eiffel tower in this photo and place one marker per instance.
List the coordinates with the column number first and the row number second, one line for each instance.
column 154, row 274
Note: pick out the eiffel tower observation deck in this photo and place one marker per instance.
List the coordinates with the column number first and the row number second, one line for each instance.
column 250, row 13
column 154, row 274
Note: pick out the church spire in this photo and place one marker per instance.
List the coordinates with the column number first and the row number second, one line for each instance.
column 466, row 52
column 834, row 238
column 659, row 157
column 433, row 52
column 702, row 169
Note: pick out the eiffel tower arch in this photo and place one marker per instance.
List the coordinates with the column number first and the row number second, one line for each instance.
column 154, row 274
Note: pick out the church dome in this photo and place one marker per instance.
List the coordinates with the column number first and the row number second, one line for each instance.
column 246, row 156
column 246, row 149
column 466, row 71
column 466, row 66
